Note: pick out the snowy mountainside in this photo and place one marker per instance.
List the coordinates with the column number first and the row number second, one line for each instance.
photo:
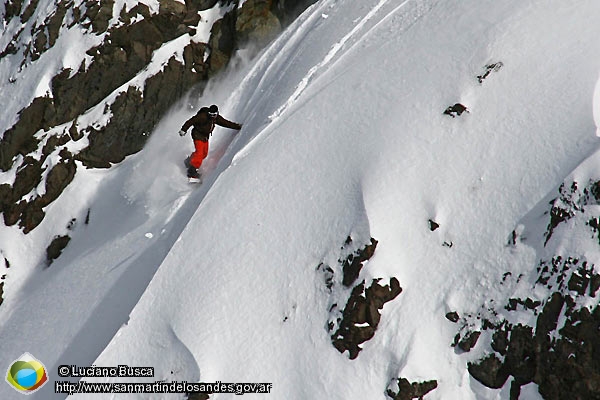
column 348, row 206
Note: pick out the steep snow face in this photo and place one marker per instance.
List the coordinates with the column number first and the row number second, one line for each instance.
column 344, row 135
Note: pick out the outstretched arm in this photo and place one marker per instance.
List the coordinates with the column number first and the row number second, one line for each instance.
column 227, row 124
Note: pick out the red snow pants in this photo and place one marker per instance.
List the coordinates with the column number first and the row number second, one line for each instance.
column 200, row 154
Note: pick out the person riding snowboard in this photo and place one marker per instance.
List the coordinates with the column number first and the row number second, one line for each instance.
column 204, row 123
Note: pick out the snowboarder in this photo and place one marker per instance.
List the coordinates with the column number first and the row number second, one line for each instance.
column 204, row 123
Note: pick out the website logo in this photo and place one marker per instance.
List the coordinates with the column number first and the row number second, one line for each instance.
column 26, row 374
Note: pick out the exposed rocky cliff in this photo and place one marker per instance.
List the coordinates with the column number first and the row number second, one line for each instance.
column 546, row 328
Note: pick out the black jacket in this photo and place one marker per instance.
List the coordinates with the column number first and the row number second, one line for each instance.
column 204, row 125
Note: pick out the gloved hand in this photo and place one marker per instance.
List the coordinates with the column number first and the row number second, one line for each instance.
column 182, row 132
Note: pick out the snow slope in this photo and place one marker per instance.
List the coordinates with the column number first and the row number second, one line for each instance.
column 343, row 135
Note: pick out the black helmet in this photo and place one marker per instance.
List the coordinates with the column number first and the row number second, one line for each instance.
column 213, row 111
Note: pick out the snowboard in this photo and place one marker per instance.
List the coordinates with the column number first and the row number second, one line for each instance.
column 198, row 180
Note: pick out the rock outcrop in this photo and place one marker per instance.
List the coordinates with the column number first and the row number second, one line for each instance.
column 357, row 321
column 407, row 391
column 553, row 339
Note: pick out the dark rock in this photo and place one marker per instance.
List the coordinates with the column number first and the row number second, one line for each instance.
column 193, row 57
column 513, row 304
column 328, row 275
column 100, row 13
column 74, row 132
column 56, row 248
column 32, row 215
column 494, row 67
column 121, row 137
column 531, row 304
column 595, row 191
column 52, row 143
column 65, row 154
column 67, row 100
column 349, row 336
column 6, row 199
column 288, row 10
column 579, row 282
column 191, row 19
column 59, row 177
column 433, row 225
column 594, row 284
column 513, row 238
column 10, row 49
column 489, row 372
column 570, row 368
column 515, row 390
column 172, row 7
column 521, row 358
column 361, row 315
column 500, row 339
column 594, row 223
column 139, row 8
column 256, row 23
column 200, row 5
column 452, row 316
column 564, row 366
column 2, row 278
column 40, row 43
column 557, row 216
column 354, row 263
column 12, row 8
column 20, row 138
column 409, row 391
column 28, row 177
column 548, row 319
column 469, row 341
column 570, row 201
column 455, row 110
column 29, row 10
column 12, row 212
column 222, row 42
column 55, row 22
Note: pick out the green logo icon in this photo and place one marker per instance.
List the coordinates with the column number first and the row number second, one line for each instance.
column 26, row 374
